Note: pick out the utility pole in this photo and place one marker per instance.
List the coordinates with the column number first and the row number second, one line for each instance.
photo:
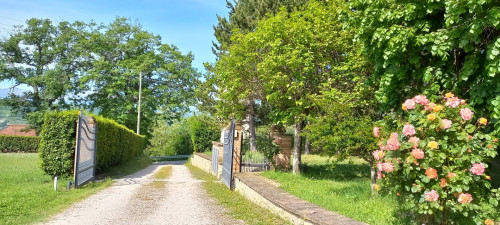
column 139, row 104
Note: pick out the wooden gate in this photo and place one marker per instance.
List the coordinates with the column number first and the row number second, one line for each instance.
column 227, row 159
column 86, row 147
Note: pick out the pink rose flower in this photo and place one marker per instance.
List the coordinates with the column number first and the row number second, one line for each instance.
column 430, row 106
column 388, row 167
column 445, row 124
column 380, row 166
column 417, row 153
column 410, row 104
column 378, row 155
column 408, row 130
column 379, row 175
column 431, row 196
column 414, row 140
column 465, row 198
column 477, row 169
column 392, row 143
column 421, row 99
column 376, row 131
column 453, row 102
column 466, row 113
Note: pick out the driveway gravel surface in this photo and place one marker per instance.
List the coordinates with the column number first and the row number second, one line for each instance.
column 140, row 199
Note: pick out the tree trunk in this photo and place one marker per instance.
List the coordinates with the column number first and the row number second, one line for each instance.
column 297, row 146
column 307, row 148
column 250, row 116
column 373, row 175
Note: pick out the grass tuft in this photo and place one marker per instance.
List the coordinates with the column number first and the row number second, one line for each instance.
column 163, row 173
column 238, row 205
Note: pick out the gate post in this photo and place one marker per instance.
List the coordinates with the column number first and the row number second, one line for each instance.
column 285, row 144
column 238, row 140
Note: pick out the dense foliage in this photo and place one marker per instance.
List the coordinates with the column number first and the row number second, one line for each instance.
column 203, row 130
column 436, row 163
column 115, row 143
column 19, row 143
column 96, row 67
column 171, row 140
column 432, row 46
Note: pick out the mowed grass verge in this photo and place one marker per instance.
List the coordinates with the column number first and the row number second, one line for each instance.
column 27, row 195
column 342, row 188
column 238, row 206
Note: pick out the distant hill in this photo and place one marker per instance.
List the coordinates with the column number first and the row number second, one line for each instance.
column 4, row 92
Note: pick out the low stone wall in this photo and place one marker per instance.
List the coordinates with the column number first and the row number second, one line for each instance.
column 262, row 192
column 204, row 162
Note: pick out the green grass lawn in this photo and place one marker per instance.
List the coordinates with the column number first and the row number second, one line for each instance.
column 239, row 207
column 343, row 188
column 27, row 195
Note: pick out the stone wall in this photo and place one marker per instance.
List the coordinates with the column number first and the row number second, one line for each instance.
column 204, row 162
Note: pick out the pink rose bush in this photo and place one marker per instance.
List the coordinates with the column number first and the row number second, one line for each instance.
column 438, row 163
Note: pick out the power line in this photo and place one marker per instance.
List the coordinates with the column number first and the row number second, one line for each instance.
column 7, row 25
column 12, row 19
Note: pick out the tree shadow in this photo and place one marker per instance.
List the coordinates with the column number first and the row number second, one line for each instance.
column 338, row 172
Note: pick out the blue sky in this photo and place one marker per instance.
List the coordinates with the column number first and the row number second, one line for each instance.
column 184, row 23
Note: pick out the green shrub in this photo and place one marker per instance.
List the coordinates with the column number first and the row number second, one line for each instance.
column 19, row 143
column 171, row 140
column 115, row 143
column 203, row 130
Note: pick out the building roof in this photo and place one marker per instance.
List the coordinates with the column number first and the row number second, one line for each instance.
column 15, row 129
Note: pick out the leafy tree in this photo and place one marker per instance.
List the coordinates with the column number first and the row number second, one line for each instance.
column 203, row 130
column 46, row 57
column 119, row 53
column 243, row 17
column 170, row 139
column 432, row 47
column 298, row 52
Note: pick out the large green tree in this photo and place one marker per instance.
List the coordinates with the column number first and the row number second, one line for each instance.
column 45, row 57
column 296, row 54
column 119, row 53
column 243, row 18
column 432, row 47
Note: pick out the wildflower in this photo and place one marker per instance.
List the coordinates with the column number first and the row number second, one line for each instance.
column 438, row 108
column 380, row 166
column 404, row 107
column 379, row 175
column 495, row 140
column 431, row 117
column 431, row 173
column 449, row 95
column 489, row 222
column 487, row 178
column 433, row 145
column 410, row 104
column 417, row 153
column 378, row 155
column 483, row 121
column 451, row 175
column 414, row 140
column 453, row 102
column 477, row 169
column 431, row 196
column 376, row 131
column 388, row 167
column 442, row 183
column 445, row 124
column 421, row 99
column 466, row 113
column 465, row 198
column 462, row 102
column 408, row 130
column 376, row 187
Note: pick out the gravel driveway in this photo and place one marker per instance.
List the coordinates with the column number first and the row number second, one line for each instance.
column 135, row 200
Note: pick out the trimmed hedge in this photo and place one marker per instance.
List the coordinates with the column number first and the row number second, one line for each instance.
column 19, row 143
column 115, row 143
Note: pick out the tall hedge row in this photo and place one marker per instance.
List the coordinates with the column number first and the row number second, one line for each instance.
column 115, row 143
column 19, row 143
